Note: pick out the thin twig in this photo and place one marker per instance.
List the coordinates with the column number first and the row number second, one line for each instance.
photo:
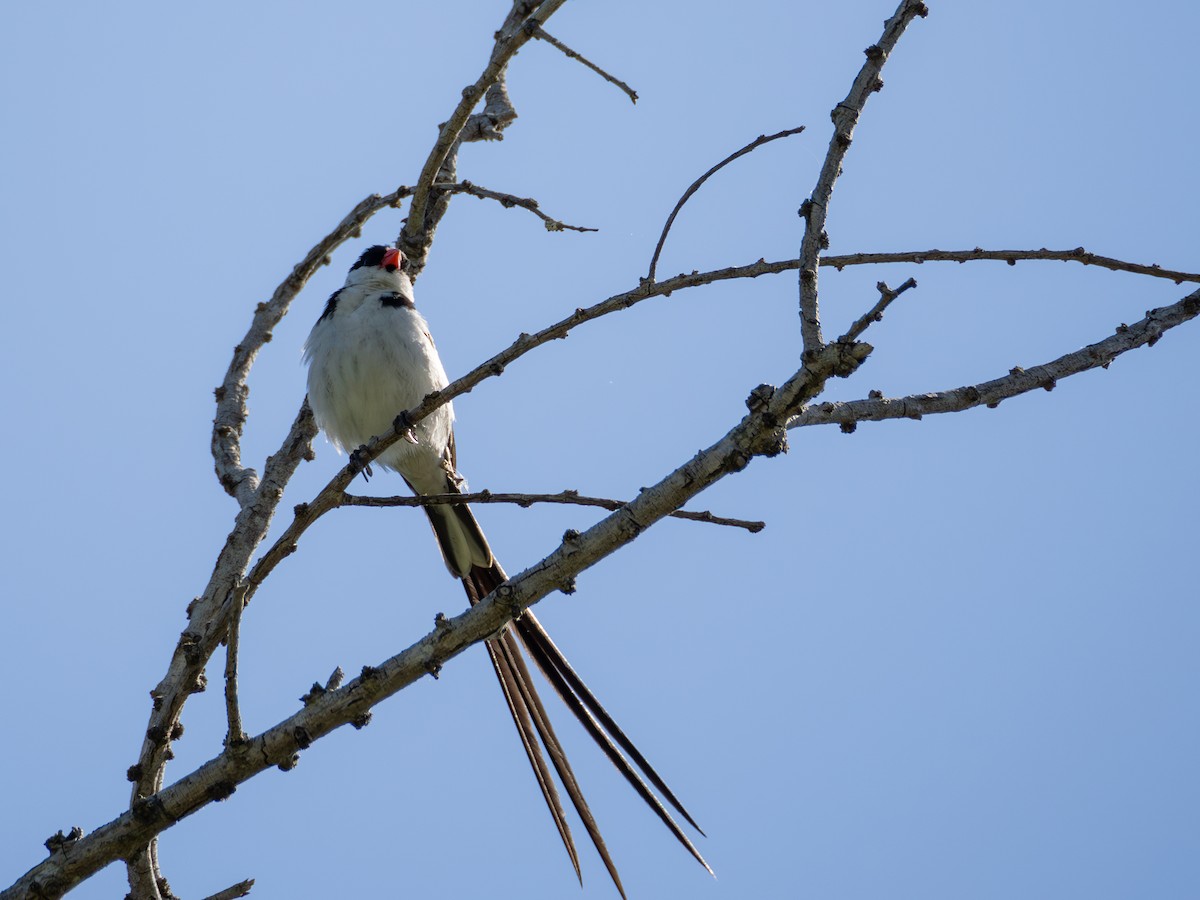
column 570, row 498
column 508, row 201
column 918, row 257
column 695, row 186
column 845, row 116
column 535, row 28
column 875, row 313
column 1012, row 257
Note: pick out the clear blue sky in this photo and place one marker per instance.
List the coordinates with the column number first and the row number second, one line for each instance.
column 961, row 661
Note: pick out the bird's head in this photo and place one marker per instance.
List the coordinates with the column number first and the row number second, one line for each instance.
column 381, row 268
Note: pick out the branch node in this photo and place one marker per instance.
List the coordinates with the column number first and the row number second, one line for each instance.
column 157, row 734
column 301, row 736
column 149, row 810
column 221, row 791
column 59, row 841
column 290, row 763
column 760, row 397
column 313, row 693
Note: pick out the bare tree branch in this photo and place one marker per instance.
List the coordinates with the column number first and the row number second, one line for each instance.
column 207, row 626
column 540, row 33
column 845, row 115
column 1018, row 381
column 1079, row 255
column 695, row 186
column 235, row 734
column 570, row 498
column 508, row 201
column 512, row 36
column 239, row 482
column 875, row 313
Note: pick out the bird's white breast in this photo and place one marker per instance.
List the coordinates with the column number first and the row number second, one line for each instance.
column 367, row 364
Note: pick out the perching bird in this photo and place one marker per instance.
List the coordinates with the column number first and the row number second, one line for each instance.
column 370, row 358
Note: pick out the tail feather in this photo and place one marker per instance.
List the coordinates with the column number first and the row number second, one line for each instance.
column 478, row 583
column 584, row 715
column 459, row 537
column 558, row 756
column 534, row 635
column 519, row 709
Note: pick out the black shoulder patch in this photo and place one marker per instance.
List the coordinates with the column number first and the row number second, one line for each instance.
column 396, row 300
column 372, row 256
column 330, row 305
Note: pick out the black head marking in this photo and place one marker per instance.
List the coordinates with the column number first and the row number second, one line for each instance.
column 396, row 300
column 330, row 306
column 372, row 256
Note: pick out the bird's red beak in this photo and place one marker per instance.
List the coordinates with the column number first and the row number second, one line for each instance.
column 392, row 259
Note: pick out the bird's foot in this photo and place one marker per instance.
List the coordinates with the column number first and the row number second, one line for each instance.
column 356, row 460
column 404, row 427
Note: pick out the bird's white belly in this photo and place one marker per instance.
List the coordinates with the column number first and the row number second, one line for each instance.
column 363, row 375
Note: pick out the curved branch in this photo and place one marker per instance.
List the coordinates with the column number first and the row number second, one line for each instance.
column 695, row 186
column 238, row 481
